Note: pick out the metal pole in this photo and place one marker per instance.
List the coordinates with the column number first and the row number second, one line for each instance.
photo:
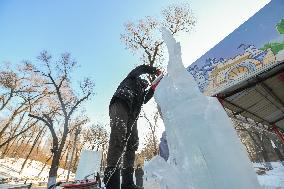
column 73, row 150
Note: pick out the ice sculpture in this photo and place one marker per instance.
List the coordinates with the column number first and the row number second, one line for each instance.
column 205, row 152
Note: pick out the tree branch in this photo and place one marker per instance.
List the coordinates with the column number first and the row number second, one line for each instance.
column 9, row 98
column 15, row 136
column 59, row 95
column 77, row 104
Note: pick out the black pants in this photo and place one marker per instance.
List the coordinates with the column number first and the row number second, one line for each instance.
column 124, row 134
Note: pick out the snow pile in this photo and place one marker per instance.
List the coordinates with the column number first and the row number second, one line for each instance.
column 205, row 152
column 272, row 179
column 10, row 168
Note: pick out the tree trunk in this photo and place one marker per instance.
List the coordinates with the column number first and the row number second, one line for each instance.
column 53, row 169
column 280, row 156
column 55, row 162
column 257, row 146
column 155, row 144
column 77, row 154
column 66, row 160
column 56, row 157
column 264, row 153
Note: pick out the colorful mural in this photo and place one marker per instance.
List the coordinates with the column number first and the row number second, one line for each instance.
column 254, row 47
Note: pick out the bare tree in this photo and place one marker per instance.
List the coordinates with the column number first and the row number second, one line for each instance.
column 10, row 85
column 96, row 138
column 151, row 138
column 149, row 150
column 16, row 99
column 258, row 142
column 60, row 104
column 145, row 39
column 151, row 147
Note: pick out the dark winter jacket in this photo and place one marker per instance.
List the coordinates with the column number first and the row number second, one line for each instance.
column 132, row 90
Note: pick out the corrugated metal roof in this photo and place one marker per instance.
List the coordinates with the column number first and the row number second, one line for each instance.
column 261, row 98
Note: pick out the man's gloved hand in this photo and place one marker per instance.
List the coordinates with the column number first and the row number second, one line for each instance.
column 158, row 72
column 154, row 86
column 157, row 80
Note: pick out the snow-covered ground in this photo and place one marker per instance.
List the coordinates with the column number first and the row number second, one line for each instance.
column 270, row 179
column 10, row 168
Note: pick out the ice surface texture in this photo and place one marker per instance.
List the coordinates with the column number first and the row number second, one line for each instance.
column 205, row 152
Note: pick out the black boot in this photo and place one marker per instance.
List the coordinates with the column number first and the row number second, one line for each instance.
column 112, row 178
column 127, row 179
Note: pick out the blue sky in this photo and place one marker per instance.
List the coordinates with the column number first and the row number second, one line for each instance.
column 90, row 30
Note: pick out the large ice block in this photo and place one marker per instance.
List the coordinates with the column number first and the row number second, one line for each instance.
column 89, row 163
column 204, row 147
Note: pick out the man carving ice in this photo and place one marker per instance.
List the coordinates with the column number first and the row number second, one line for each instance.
column 124, row 110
